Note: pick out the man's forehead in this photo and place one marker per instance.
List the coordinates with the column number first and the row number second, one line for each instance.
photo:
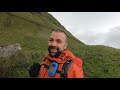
column 57, row 35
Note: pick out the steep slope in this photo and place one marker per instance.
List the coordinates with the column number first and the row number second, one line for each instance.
column 28, row 28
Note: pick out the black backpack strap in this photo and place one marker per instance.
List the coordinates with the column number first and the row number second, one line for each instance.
column 46, row 66
column 65, row 68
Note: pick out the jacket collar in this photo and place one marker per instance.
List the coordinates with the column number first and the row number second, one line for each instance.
column 66, row 55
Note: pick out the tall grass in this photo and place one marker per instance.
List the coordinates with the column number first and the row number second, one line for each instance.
column 18, row 66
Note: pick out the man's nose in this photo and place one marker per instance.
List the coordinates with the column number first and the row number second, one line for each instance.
column 54, row 43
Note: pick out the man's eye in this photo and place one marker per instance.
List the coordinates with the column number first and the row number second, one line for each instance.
column 59, row 41
column 50, row 40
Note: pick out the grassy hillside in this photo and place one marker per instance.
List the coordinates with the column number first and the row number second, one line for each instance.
column 101, row 62
column 32, row 29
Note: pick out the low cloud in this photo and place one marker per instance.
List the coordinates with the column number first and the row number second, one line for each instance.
column 113, row 37
column 90, row 37
column 110, row 38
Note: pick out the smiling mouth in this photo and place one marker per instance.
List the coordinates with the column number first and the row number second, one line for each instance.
column 53, row 50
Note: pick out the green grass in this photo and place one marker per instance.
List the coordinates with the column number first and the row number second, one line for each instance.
column 32, row 31
column 101, row 62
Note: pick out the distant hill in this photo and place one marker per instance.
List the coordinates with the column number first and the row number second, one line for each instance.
column 32, row 29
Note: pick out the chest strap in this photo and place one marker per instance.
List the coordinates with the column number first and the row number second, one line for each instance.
column 58, row 71
column 64, row 70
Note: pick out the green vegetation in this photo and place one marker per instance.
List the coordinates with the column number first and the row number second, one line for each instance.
column 32, row 30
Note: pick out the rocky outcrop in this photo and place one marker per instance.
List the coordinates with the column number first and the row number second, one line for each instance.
column 9, row 50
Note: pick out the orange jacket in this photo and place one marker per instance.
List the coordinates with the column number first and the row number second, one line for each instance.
column 73, row 70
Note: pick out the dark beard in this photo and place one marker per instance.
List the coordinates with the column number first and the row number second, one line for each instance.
column 56, row 54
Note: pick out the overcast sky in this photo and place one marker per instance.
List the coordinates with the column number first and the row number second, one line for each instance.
column 92, row 28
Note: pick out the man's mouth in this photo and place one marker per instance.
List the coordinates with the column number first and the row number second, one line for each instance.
column 53, row 50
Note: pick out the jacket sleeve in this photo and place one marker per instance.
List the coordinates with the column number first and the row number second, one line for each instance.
column 75, row 72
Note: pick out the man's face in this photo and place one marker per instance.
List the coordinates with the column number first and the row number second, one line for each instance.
column 57, row 43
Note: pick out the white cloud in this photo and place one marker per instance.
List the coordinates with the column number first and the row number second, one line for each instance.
column 113, row 37
column 90, row 37
column 110, row 38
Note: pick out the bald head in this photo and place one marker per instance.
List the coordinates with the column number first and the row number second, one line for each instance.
column 61, row 31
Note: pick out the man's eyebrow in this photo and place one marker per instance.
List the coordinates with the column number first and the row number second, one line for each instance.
column 50, row 38
column 56, row 39
column 59, row 39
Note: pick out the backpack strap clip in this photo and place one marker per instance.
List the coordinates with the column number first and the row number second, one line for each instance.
column 65, row 68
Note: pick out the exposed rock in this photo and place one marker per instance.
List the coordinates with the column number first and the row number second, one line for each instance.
column 9, row 50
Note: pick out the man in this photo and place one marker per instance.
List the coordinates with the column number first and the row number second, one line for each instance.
column 58, row 54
